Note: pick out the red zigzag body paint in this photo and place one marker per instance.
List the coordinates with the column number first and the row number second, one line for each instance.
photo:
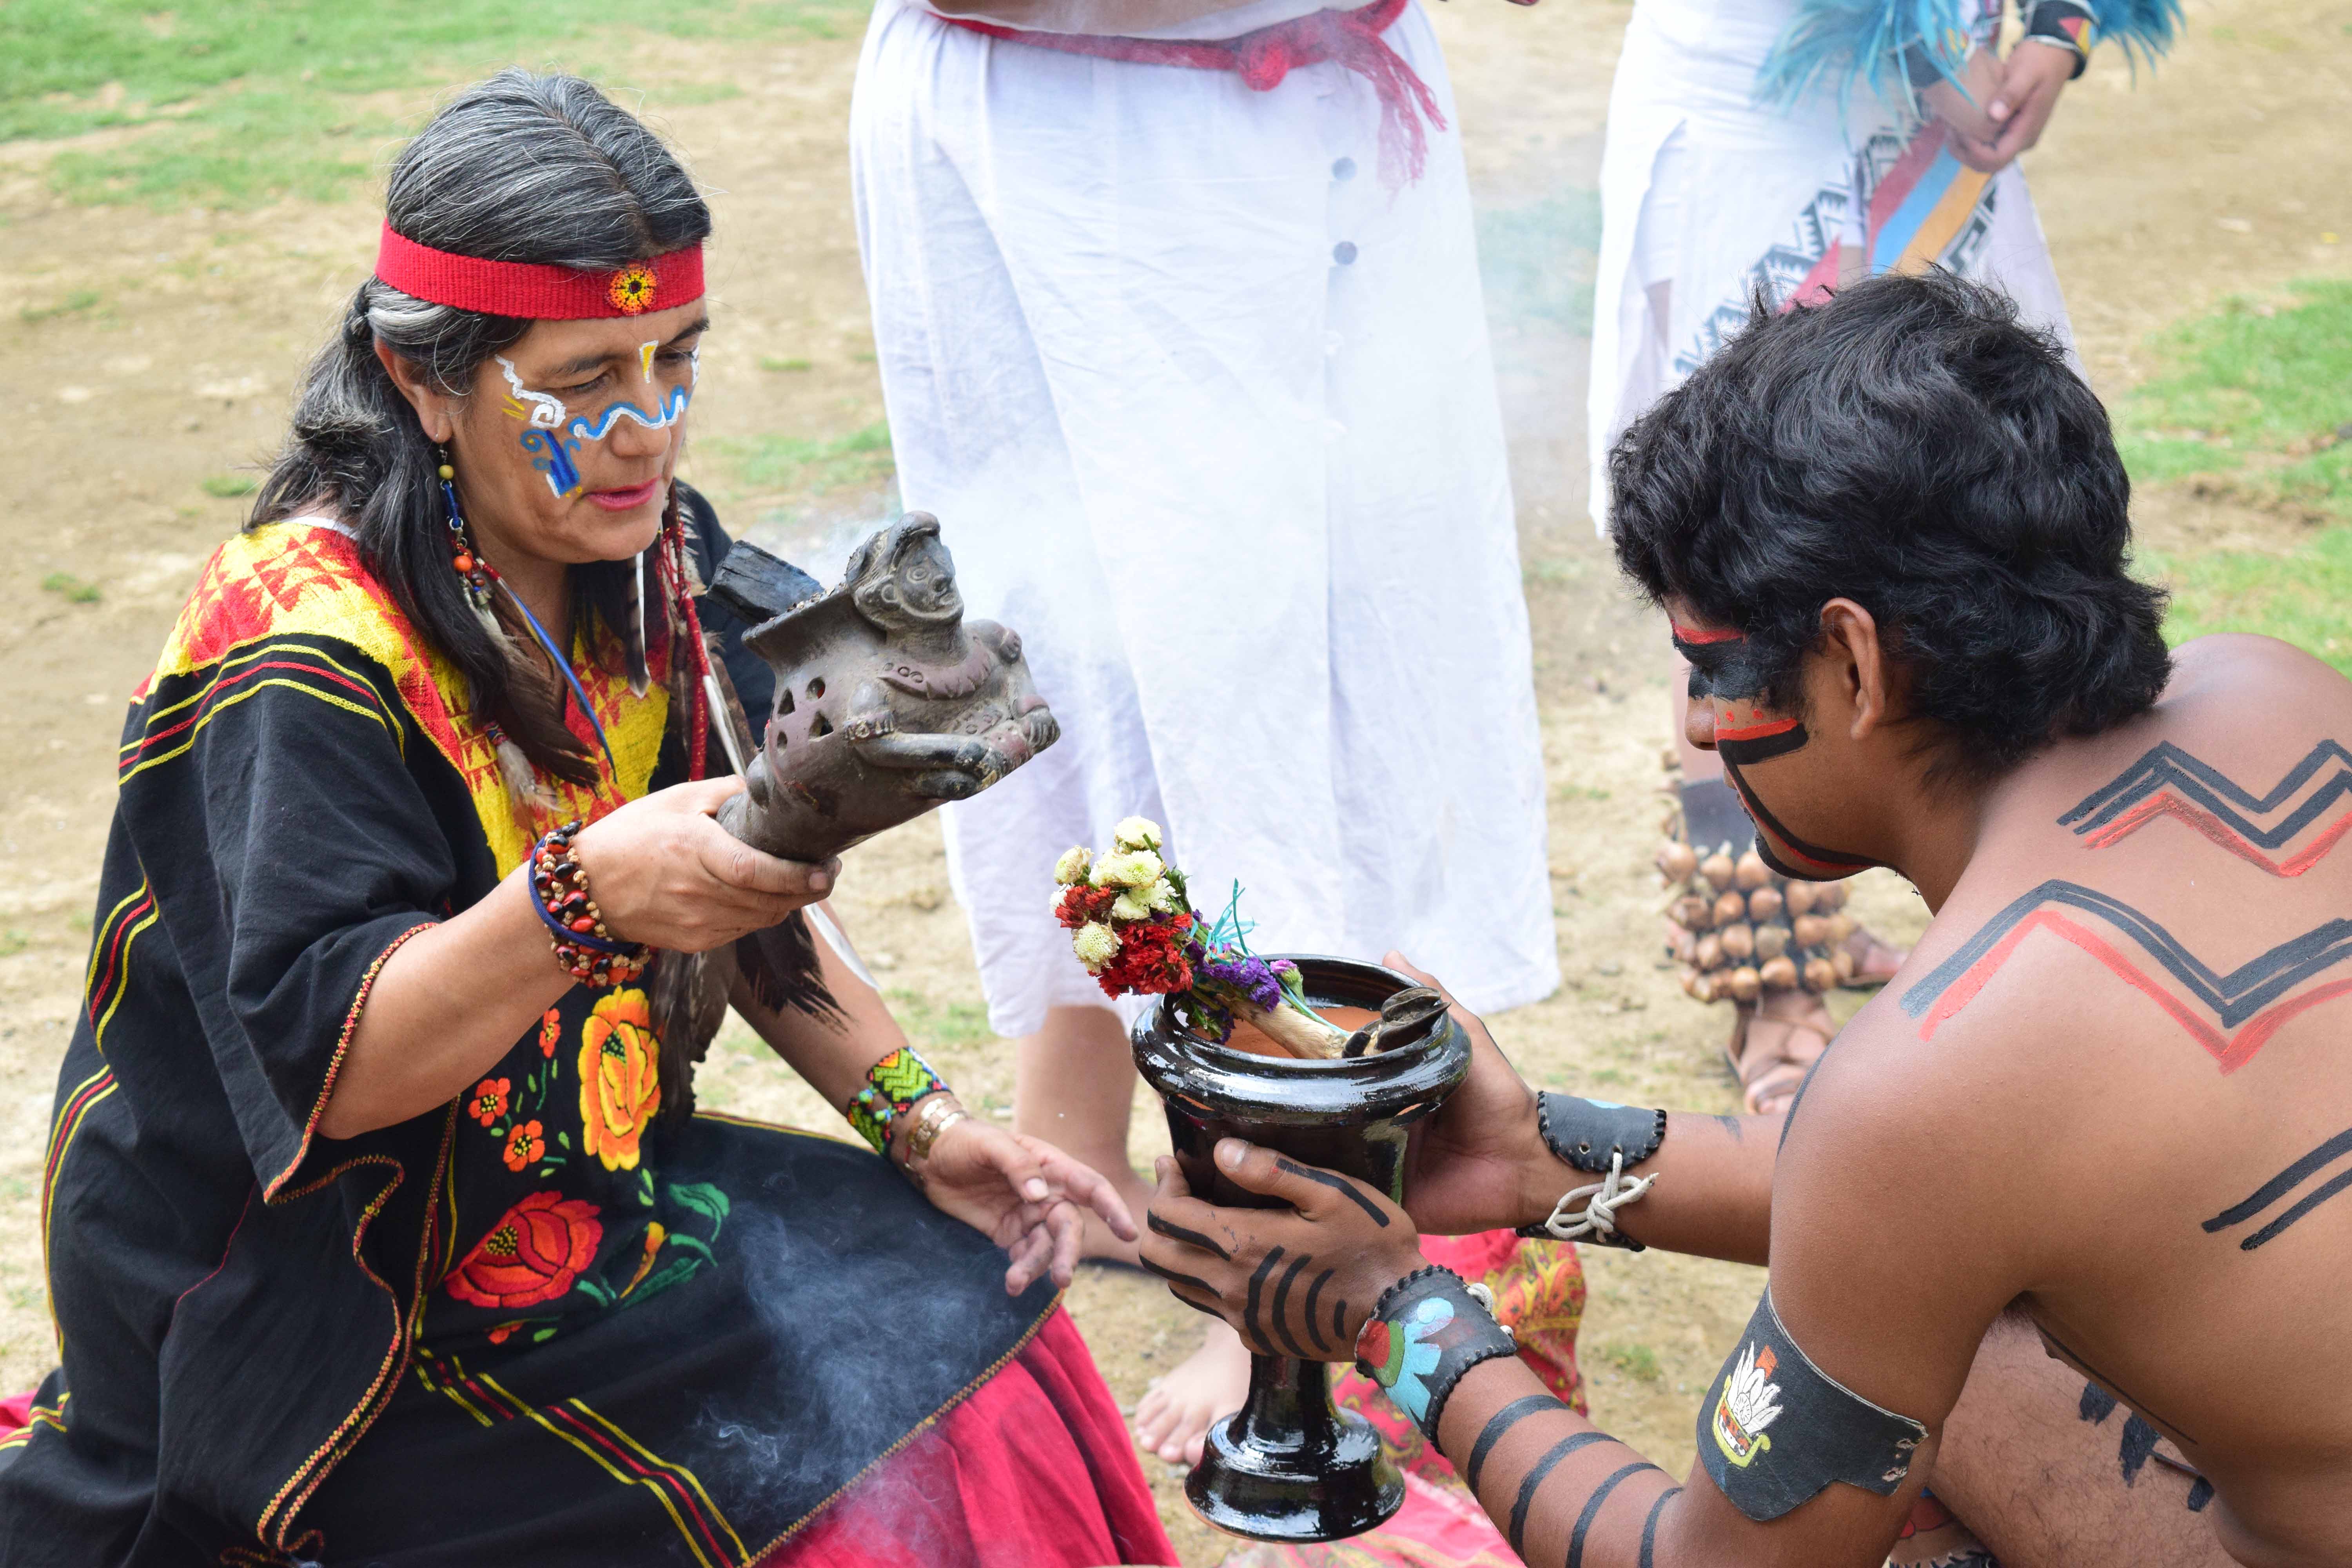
column 2310, row 809
column 2261, row 995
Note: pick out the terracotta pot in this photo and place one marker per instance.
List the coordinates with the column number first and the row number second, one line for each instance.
column 1289, row 1466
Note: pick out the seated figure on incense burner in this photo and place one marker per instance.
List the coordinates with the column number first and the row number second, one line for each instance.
column 379, row 1232
column 2055, row 1229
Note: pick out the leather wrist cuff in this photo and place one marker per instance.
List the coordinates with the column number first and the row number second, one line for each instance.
column 1423, row 1335
column 2065, row 23
column 1587, row 1133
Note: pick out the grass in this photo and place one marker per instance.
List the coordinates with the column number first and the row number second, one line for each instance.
column 72, row 589
column 777, row 362
column 938, row 1026
column 1536, row 260
column 1634, row 1361
column 73, row 304
column 792, row 463
column 2257, row 399
column 242, row 101
column 227, row 485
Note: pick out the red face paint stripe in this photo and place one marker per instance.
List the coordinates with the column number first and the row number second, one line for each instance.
column 1701, row 639
column 1763, row 731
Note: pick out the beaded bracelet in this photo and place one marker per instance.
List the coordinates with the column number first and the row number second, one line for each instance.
column 559, row 886
column 892, row 1087
column 1422, row 1333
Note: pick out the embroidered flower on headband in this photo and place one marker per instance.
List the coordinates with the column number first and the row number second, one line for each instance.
column 632, row 290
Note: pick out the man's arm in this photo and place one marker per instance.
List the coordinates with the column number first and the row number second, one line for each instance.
column 1888, row 1263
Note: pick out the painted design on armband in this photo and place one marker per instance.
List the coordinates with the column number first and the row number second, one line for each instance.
column 2286, row 831
column 1422, row 1335
column 1775, row 1429
column 2232, row 1016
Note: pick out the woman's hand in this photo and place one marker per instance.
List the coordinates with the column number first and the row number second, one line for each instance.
column 664, row 873
column 1296, row 1281
column 1480, row 1163
column 1021, row 1193
column 2030, row 81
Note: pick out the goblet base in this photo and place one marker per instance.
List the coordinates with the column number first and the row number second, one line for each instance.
column 1254, row 1484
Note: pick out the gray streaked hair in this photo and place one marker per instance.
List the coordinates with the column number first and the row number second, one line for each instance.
column 519, row 167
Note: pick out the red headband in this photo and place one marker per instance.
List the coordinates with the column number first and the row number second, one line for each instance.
column 537, row 292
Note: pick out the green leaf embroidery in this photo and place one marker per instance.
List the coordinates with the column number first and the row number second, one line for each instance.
column 563, row 1140
column 703, row 1197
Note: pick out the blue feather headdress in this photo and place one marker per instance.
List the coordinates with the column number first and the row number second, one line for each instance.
column 1862, row 43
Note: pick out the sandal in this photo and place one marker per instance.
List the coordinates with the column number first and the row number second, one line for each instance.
column 1768, row 1083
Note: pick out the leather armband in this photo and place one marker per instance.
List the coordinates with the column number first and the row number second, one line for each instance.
column 2067, row 23
column 1775, row 1429
column 1423, row 1335
column 1601, row 1139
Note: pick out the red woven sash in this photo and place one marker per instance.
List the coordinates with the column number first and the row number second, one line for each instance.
column 1350, row 39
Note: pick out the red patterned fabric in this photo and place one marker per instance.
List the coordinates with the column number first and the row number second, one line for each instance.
column 1262, row 59
column 1034, row 1470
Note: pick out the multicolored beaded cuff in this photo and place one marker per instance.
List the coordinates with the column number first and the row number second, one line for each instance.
column 1423, row 1335
column 893, row 1085
column 559, row 887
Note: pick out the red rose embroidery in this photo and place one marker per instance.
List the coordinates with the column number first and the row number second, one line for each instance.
column 532, row 1255
column 489, row 1101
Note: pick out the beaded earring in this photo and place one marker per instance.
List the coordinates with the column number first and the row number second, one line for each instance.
column 467, row 561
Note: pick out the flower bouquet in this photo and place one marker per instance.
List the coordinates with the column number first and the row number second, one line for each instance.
column 1132, row 924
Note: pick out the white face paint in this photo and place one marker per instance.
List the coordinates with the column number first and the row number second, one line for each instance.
column 546, row 411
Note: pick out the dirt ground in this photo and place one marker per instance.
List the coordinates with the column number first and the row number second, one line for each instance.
column 2226, row 171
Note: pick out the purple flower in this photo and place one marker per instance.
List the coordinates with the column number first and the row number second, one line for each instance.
column 1246, row 972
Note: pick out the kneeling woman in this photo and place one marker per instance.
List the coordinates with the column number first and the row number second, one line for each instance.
column 380, row 1228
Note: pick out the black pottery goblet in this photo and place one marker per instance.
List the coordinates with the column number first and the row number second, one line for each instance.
column 1290, row 1466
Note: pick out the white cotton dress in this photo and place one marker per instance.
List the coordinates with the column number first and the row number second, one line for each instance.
column 1703, row 187
column 1208, row 415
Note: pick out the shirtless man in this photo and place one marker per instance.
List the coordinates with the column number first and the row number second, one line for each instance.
column 2058, row 1224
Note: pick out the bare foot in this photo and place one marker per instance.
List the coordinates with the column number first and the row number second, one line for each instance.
column 1775, row 1040
column 1874, row 962
column 1098, row 1242
column 1174, row 1417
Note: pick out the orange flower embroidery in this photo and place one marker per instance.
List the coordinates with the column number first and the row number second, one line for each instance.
column 655, row 1237
column 504, row 1331
column 620, row 1081
column 550, row 1029
column 632, row 290
column 532, row 1255
column 489, row 1101
column 524, row 1146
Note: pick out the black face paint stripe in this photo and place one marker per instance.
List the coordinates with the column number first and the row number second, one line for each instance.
column 2278, row 1187
column 1175, row 1278
column 1340, row 1321
column 1314, row 1323
column 1337, row 1183
column 1830, row 860
column 1189, row 1237
column 1650, row 1528
column 1537, row 1474
column 1763, row 748
column 1592, row 1508
column 1282, row 1306
column 1249, row 1307
column 1499, row 1425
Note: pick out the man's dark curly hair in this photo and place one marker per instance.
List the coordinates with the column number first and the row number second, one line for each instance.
column 1910, row 446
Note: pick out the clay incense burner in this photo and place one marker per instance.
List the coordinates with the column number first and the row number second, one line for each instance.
column 1289, row 1466
column 887, row 701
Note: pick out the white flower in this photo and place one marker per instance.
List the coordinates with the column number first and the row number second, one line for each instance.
column 1134, row 904
column 1162, row 896
column 1133, row 868
column 1073, row 866
column 1096, row 945
column 1136, row 833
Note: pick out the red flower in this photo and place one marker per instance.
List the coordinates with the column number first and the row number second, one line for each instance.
column 489, row 1101
column 500, row 1335
column 532, row 1255
column 1082, row 903
column 1150, row 960
column 524, row 1146
column 550, row 1024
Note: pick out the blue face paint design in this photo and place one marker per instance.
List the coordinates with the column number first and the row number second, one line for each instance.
column 563, row 475
column 668, row 412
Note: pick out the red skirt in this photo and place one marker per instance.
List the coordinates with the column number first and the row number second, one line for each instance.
column 1034, row 1469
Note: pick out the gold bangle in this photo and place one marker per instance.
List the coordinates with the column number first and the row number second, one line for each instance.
column 938, row 1113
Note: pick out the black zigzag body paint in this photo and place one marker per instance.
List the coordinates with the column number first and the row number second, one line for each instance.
column 2261, row 995
column 2305, row 813
column 2139, row 1444
column 2280, row 1186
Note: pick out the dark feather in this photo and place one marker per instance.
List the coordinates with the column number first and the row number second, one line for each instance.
column 782, row 967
